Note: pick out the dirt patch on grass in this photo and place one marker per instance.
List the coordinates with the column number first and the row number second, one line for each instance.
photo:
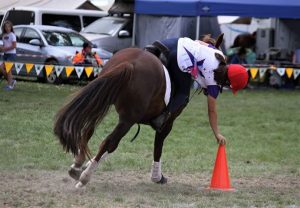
column 134, row 189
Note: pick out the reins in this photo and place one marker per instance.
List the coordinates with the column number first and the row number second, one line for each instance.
column 136, row 134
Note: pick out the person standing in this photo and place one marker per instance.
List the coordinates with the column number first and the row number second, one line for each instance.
column 9, row 49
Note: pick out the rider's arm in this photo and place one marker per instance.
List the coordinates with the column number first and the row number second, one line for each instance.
column 213, row 119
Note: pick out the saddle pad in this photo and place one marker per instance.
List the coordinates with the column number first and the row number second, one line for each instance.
column 168, row 86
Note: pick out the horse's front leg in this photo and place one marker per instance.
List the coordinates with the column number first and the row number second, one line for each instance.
column 107, row 146
column 156, row 174
column 77, row 166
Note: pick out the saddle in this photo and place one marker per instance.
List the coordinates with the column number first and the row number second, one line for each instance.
column 159, row 50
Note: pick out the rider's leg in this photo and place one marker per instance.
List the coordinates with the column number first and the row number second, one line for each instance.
column 182, row 83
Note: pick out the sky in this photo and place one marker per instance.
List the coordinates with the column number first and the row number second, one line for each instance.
column 107, row 3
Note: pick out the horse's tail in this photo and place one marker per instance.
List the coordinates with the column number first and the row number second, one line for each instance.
column 76, row 121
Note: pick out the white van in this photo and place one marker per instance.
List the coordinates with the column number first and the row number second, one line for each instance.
column 75, row 19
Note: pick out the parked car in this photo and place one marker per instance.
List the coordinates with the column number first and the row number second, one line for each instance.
column 49, row 45
column 75, row 19
column 110, row 33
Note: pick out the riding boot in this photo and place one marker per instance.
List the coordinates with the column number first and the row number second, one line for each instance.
column 159, row 122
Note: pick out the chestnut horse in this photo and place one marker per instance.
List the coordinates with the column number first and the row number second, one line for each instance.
column 133, row 80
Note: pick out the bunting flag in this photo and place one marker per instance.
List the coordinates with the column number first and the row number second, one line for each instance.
column 97, row 70
column 296, row 73
column 49, row 69
column 18, row 67
column 58, row 70
column 79, row 70
column 262, row 72
column 281, row 71
column 29, row 67
column 38, row 68
column 8, row 66
column 69, row 70
column 88, row 71
column 289, row 72
column 253, row 72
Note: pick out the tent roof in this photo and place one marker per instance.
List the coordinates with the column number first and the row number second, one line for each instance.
column 253, row 8
column 53, row 4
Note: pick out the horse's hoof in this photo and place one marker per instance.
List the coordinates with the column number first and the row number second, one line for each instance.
column 75, row 173
column 163, row 180
column 79, row 185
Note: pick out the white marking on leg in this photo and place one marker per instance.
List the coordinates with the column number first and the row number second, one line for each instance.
column 79, row 159
column 90, row 168
column 156, row 171
column 73, row 166
column 103, row 157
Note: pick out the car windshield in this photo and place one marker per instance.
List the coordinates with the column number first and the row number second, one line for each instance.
column 59, row 38
column 105, row 26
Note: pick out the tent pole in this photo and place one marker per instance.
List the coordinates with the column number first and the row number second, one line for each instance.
column 133, row 30
column 198, row 28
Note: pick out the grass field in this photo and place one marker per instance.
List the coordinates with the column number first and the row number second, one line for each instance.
column 261, row 127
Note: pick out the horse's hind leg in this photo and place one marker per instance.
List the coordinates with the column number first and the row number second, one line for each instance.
column 77, row 168
column 107, row 146
column 156, row 174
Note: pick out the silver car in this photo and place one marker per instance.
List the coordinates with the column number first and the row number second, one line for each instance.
column 110, row 33
column 39, row 44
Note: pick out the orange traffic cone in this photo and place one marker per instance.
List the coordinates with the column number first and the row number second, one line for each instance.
column 220, row 178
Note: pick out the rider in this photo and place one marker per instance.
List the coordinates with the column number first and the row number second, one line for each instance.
column 189, row 60
column 87, row 57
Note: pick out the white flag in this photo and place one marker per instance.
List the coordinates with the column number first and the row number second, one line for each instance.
column 97, row 70
column 281, row 71
column 58, row 70
column 296, row 73
column 262, row 72
column 18, row 67
column 79, row 70
column 38, row 68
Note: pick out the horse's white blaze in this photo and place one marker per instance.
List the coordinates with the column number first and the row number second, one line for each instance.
column 156, row 171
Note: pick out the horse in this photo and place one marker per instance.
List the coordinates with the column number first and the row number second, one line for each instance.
column 133, row 80
column 245, row 40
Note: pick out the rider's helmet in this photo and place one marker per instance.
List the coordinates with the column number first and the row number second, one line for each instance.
column 238, row 77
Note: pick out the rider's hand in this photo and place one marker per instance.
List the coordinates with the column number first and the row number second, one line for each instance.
column 221, row 139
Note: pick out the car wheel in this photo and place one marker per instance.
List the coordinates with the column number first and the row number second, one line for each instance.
column 52, row 78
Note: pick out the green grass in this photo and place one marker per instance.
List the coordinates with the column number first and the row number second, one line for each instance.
column 261, row 127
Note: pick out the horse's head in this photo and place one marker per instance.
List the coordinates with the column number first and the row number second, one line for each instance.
column 220, row 73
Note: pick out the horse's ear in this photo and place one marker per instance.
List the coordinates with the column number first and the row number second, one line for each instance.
column 219, row 40
column 220, row 58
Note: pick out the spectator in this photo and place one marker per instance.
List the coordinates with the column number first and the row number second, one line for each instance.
column 239, row 57
column 87, row 57
column 9, row 49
